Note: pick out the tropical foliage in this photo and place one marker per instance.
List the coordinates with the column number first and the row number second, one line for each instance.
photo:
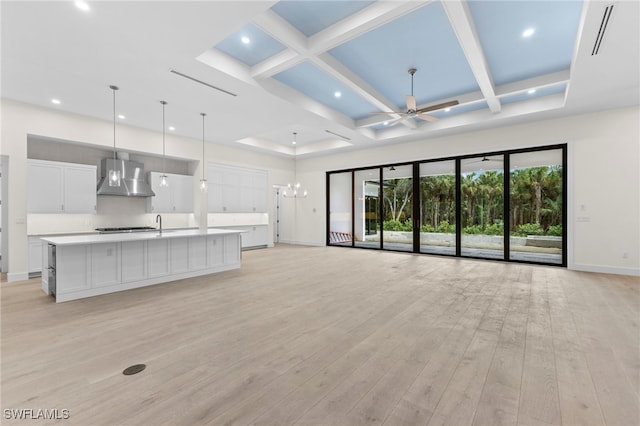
column 536, row 202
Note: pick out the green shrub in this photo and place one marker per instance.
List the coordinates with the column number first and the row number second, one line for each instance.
column 391, row 225
column 427, row 228
column 529, row 229
column 396, row 225
column 446, row 228
column 472, row 230
column 495, row 229
column 555, row 230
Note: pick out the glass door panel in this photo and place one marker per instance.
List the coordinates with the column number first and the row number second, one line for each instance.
column 397, row 194
column 366, row 203
column 482, row 209
column 536, row 207
column 340, row 232
column 438, row 207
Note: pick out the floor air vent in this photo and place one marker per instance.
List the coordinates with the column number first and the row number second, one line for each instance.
column 134, row 369
column 601, row 31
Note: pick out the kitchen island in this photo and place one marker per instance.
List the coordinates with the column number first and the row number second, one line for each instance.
column 75, row 267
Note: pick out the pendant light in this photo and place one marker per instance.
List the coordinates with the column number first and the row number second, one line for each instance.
column 203, row 181
column 164, row 182
column 114, row 174
column 292, row 191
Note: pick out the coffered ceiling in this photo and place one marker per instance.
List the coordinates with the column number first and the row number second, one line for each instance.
column 322, row 69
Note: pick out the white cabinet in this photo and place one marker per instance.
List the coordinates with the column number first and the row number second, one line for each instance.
column 255, row 236
column 105, row 264
column 236, row 190
column 133, row 261
column 175, row 198
column 179, row 255
column 73, row 263
column 158, row 257
column 231, row 249
column 91, row 266
column 215, row 250
column 197, row 253
column 80, row 189
column 35, row 255
column 54, row 187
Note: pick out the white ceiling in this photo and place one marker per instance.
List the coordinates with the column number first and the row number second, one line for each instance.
column 54, row 50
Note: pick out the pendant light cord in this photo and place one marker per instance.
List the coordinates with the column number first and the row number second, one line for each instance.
column 163, row 139
column 114, row 88
column 203, row 115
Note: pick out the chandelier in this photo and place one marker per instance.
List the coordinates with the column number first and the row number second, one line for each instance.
column 293, row 190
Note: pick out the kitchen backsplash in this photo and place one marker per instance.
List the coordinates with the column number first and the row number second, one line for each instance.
column 112, row 212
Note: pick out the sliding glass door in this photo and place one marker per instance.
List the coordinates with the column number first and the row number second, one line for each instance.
column 508, row 205
column 340, row 196
column 397, row 196
column 438, row 207
column 366, row 201
column 482, row 209
column 536, row 208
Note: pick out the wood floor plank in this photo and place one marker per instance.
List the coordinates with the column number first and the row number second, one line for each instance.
column 291, row 338
column 539, row 401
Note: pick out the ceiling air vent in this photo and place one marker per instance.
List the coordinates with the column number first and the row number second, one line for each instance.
column 338, row 135
column 202, row 82
column 603, row 28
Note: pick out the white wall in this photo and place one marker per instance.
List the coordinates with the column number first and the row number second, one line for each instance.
column 20, row 120
column 604, row 177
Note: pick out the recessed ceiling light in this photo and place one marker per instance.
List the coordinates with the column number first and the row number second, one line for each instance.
column 386, row 123
column 56, row 101
column 337, row 94
column 245, row 40
column 531, row 91
column 121, row 117
column 172, row 128
column 447, row 109
column 82, row 5
column 528, row 32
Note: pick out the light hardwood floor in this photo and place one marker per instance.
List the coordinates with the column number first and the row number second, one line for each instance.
column 334, row 336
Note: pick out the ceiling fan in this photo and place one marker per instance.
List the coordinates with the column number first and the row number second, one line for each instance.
column 412, row 109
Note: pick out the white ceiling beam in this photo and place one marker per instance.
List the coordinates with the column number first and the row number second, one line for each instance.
column 359, row 23
column 295, row 42
column 281, row 30
column 534, row 83
column 462, row 24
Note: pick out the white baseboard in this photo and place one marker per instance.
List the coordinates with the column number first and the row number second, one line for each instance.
column 303, row 243
column 17, row 276
column 605, row 269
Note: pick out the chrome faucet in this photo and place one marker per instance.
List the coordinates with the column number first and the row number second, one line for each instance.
column 160, row 219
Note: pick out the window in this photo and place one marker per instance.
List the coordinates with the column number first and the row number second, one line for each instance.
column 508, row 205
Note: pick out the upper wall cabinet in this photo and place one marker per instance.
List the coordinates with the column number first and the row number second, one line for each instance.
column 175, row 198
column 54, row 187
column 236, row 190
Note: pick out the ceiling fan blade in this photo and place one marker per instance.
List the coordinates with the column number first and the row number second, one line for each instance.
column 395, row 121
column 426, row 117
column 388, row 112
column 438, row 106
column 411, row 103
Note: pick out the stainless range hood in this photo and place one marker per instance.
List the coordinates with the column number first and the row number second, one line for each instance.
column 132, row 174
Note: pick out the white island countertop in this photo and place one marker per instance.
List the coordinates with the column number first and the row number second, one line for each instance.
column 135, row 236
